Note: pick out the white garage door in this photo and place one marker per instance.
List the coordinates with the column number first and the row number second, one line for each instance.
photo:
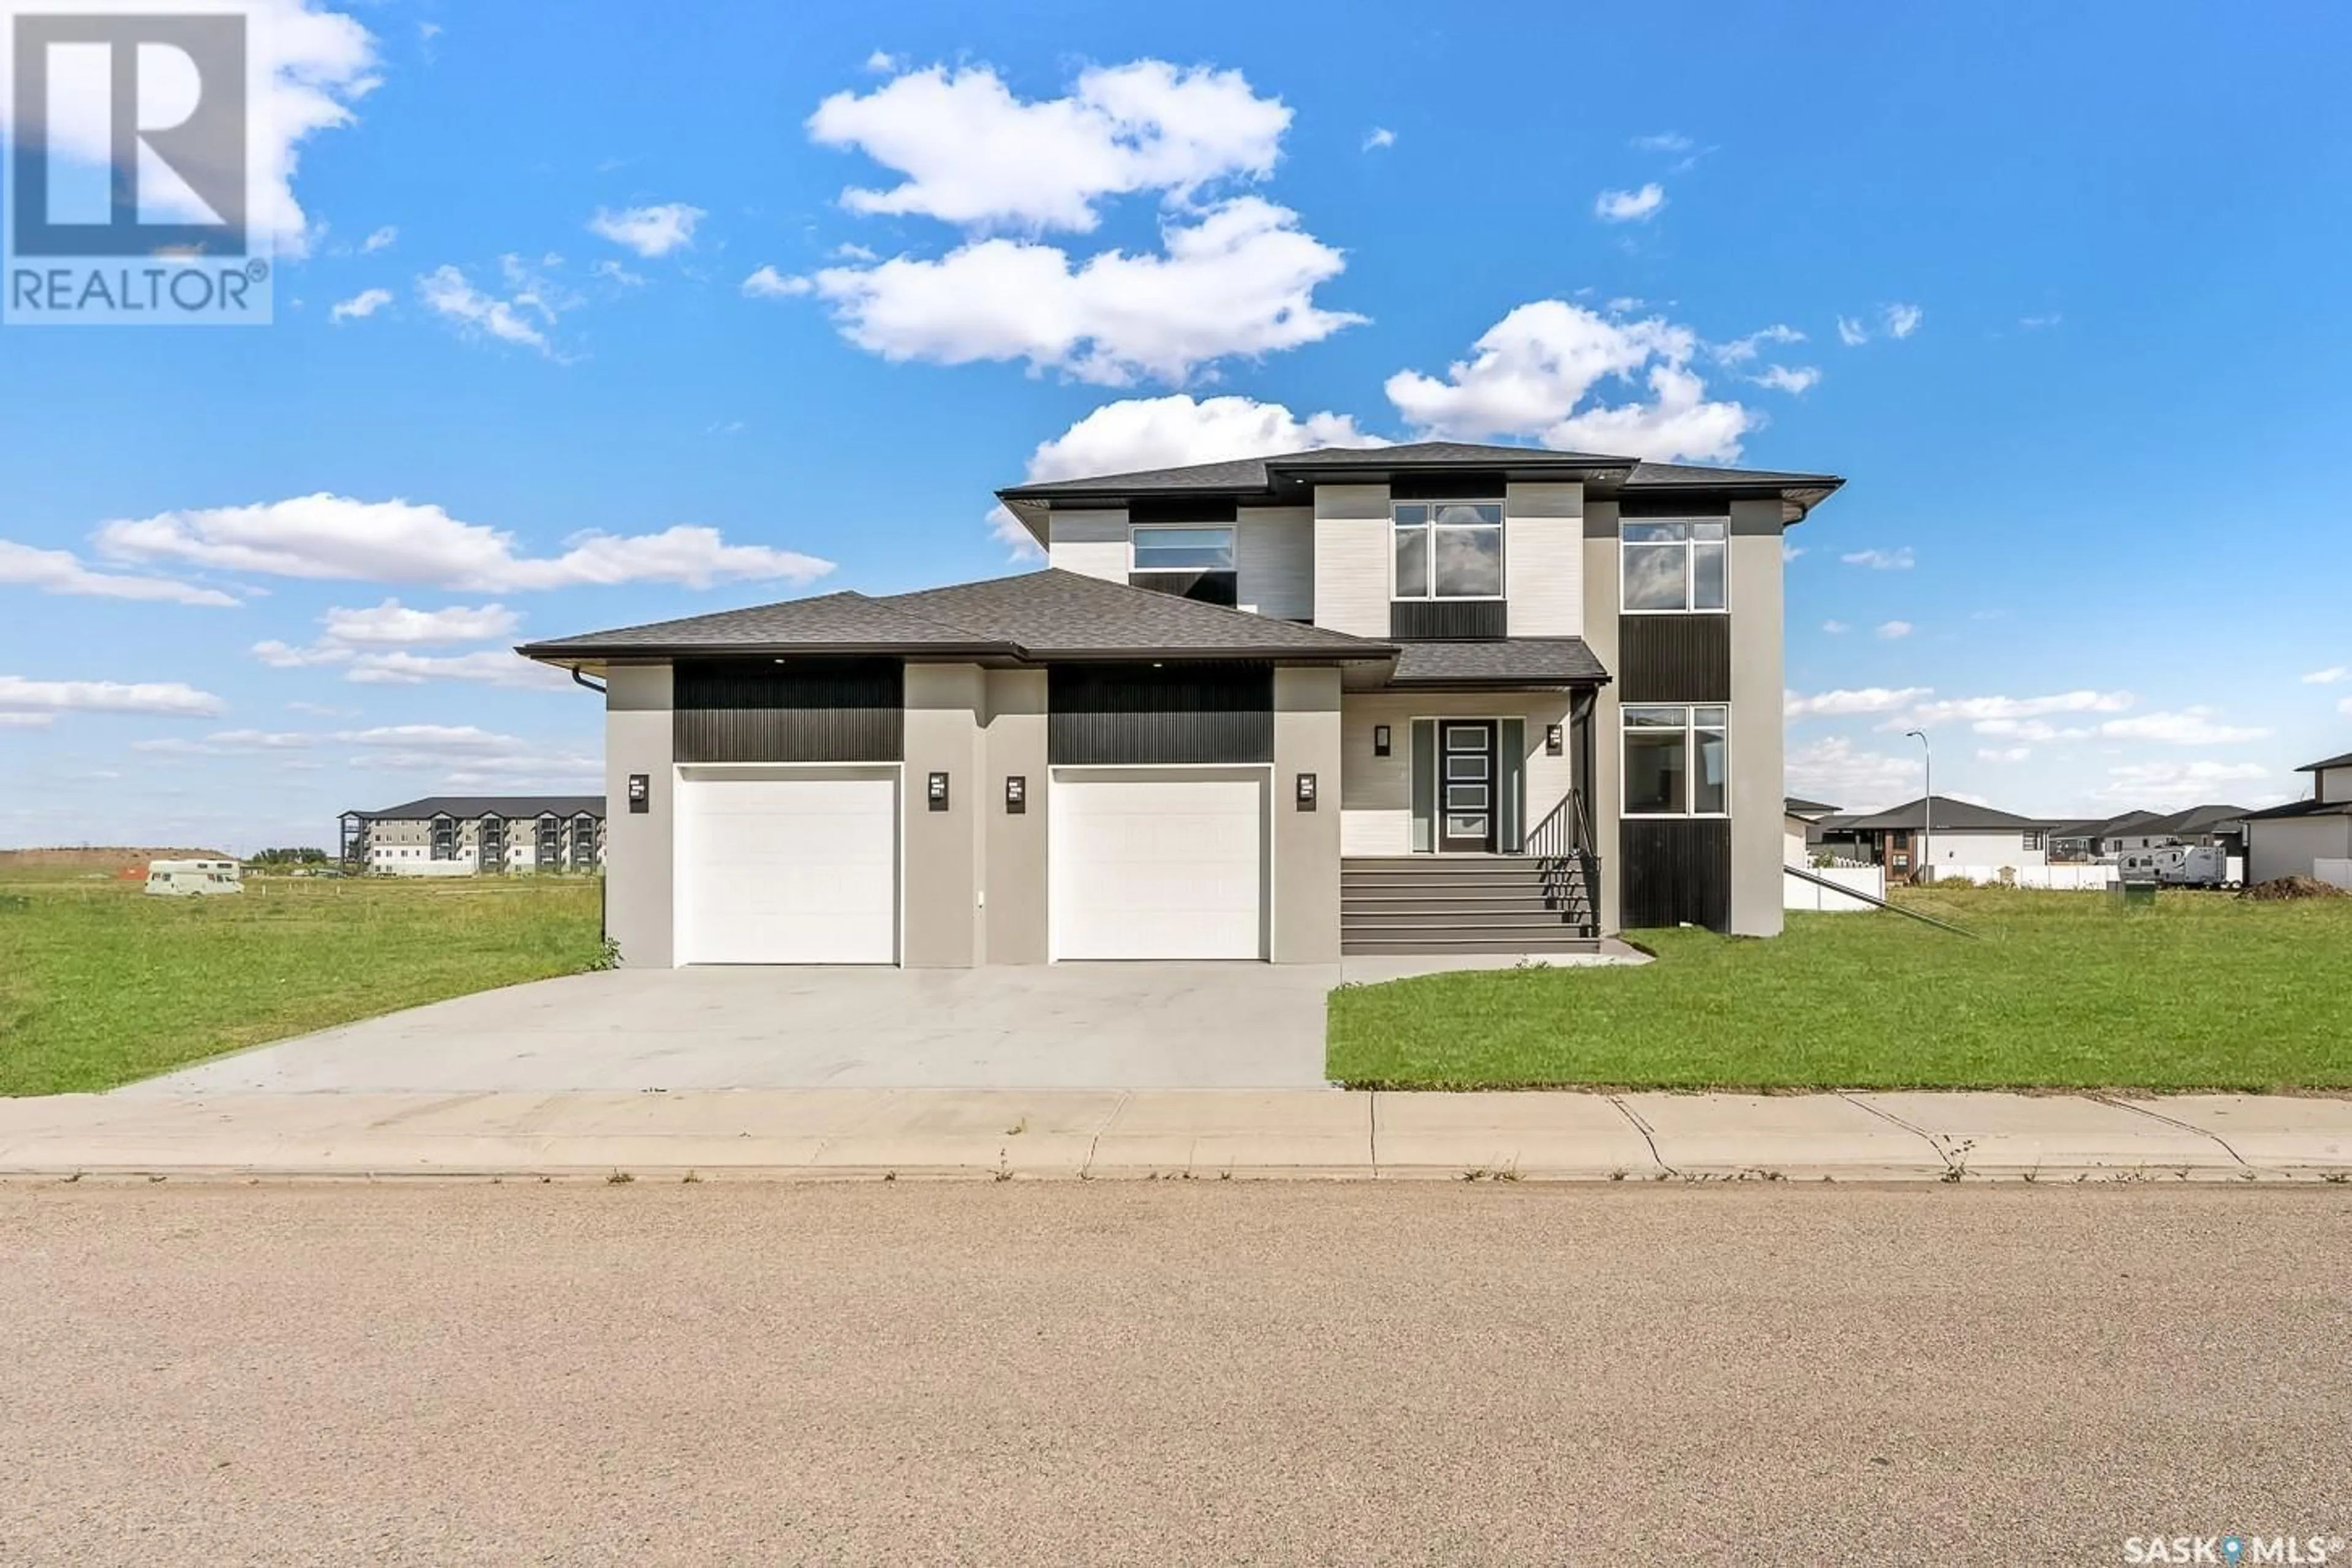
column 780, row 866
column 1159, row 865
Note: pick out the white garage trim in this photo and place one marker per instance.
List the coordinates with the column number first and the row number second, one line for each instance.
column 861, row 943
column 1064, row 901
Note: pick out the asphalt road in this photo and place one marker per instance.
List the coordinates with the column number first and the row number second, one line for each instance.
column 1167, row 1372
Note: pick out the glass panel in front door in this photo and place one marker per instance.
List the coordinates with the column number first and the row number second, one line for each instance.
column 1468, row 821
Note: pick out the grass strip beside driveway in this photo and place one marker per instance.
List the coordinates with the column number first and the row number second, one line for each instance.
column 2063, row 991
column 101, row 985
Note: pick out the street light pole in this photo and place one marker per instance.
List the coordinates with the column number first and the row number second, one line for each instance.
column 1927, row 833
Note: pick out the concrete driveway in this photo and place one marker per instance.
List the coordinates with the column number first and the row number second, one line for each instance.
column 1157, row 1026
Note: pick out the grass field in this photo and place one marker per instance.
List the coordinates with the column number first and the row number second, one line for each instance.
column 101, row 985
column 2206, row 991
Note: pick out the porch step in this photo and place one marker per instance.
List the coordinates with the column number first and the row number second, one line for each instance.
column 1465, row 904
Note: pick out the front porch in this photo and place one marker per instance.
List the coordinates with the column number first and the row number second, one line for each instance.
column 1463, row 823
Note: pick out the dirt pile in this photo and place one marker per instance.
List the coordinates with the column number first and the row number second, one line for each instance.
column 2286, row 889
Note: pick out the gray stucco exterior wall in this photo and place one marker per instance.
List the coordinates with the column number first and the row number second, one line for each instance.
column 1306, row 844
column 1601, row 601
column 939, row 850
column 638, row 908
column 1013, row 895
column 1757, row 725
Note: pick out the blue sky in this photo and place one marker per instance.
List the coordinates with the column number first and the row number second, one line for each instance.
column 587, row 323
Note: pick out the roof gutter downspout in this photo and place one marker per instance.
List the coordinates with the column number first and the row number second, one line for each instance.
column 580, row 679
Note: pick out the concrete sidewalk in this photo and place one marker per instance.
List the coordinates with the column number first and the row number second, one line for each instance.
column 1186, row 1133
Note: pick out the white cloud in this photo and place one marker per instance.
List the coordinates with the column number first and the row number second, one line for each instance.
column 1142, row 433
column 1846, row 704
column 2172, row 786
column 463, row 740
column 1978, row 710
column 521, row 317
column 767, row 283
column 1881, row 560
column 330, row 537
column 2189, row 727
column 58, row 571
column 882, row 61
column 20, row 695
column 27, row 720
column 1743, row 350
column 2345, row 707
column 1851, row 332
column 1901, row 321
column 1530, row 372
column 381, row 239
column 1831, row 769
column 650, row 231
column 975, row 155
column 1630, row 206
column 1238, row 278
column 1891, row 631
column 2039, row 323
column 1379, row 136
column 2330, row 676
column 1794, row 380
column 360, row 306
column 1664, row 142
column 317, row 710
column 487, row 667
column 394, row 624
column 228, row 743
column 2003, row 753
column 1836, row 628
column 2031, row 728
column 313, row 66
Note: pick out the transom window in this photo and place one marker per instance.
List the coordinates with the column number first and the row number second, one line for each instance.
column 1196, row 548
column 1671, row 567
column 1449, row 549
column 1677, row 759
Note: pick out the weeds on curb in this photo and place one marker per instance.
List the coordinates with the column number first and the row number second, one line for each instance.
column 619, row 1179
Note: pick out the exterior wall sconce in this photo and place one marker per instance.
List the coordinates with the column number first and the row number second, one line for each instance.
column 640, row 794
column 1016, row 794
column 1307, row 791
column 937, row 793
column 1380, row 740
column 1555, row 741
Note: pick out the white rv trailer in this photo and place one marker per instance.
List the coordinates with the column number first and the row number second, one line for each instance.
column 194, row 879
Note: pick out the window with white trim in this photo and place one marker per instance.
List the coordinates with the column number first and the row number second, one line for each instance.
column 1449, row 549
column 1677, row 759
column 1673, row 565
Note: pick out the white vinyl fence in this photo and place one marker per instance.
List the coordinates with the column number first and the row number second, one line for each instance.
column 1796, row 893
column 2061, row 878
column 2336, row 873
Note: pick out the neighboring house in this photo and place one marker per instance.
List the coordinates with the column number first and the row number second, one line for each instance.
column 2206, row 826
column 1907, row 842
column 1425, row 698
column 1800, row 820
column 446, row 835
column 2094, row 837
column 2284, row 840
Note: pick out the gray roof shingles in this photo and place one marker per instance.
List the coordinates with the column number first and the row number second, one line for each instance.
column 1515, row 661
column 1951, row 816
column 468, row 806
column 1255, row 474
column 1036, row 615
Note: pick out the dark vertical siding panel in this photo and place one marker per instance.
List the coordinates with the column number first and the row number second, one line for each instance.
column 809, row 711
column 1448, row 487
column 1673, row 658
column 1449, row 620
column 1183, row 508
column 1130, row 713
column 1671, row 871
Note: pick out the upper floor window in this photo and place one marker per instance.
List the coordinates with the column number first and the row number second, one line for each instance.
column 1677, row 566
column 1449, row 549
column 1192, row 562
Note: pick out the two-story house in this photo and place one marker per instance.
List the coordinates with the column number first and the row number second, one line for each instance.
column 1427, row 698
column 2289, row 840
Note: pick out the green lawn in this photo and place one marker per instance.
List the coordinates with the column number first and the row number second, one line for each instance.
column 2063, row 990
column 101, row 985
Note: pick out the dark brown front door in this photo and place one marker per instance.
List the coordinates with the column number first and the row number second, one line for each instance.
column 1466, row 785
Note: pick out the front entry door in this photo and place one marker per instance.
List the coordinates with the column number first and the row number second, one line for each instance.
column 1467, row 783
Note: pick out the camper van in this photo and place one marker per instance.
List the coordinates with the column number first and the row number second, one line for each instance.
column 2182, row 866
column 194, row 879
